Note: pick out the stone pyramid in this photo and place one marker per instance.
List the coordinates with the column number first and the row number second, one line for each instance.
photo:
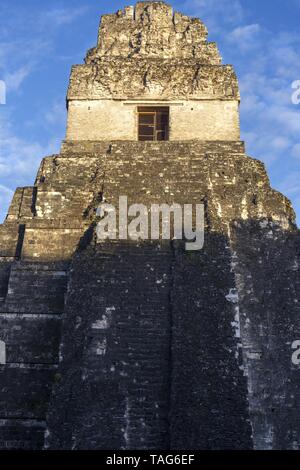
column 125, row 344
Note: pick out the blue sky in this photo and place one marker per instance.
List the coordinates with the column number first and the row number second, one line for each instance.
column 39, row 41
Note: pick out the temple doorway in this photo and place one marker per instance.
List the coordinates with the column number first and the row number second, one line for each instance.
column 153, row 123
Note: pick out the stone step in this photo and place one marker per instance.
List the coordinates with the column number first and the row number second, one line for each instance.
column 30, row 338
column 23, row 204
column 21, row 434
column 65, row 201
column 4, row 278
column 9, row 235
column 72, row 174
column 47, row 244
column 25, row 390
column 35, row 288
column 75, row 147
column 71, row 171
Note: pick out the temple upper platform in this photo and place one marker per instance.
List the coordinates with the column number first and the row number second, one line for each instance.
column 151, row 56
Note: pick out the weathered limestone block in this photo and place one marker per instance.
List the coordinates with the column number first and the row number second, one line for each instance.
column 152, row 29
column 65, row 171
column 30, row 338
column 21, row 434
column 58, row 203
column 25, row 390
column 9, row 234
column 36, row 288
column 50, row 244
column 23, row 204
column 156, row 79
column 5, row 265
column 46, row 168
column 87, row 149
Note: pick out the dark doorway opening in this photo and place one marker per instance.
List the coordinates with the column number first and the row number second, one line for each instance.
column 153, row 123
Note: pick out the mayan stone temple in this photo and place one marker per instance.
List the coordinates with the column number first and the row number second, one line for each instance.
column 125, row 344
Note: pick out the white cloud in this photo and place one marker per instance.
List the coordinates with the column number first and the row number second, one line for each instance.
column 15, row 79
column 61, row 16
column 280, row 143
column 231, row 10
column 19, row 158
column 291, row 184
column 215, row 13
column 34, row 35
column 57, row 113
column 296, row 151
column 5, row 192
column 245, row 37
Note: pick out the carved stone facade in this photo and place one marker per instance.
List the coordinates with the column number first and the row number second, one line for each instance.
column 152, row 54
column 142, row 345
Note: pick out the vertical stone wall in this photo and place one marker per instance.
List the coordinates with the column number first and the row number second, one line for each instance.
column 117, row 120
column 266, row 264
